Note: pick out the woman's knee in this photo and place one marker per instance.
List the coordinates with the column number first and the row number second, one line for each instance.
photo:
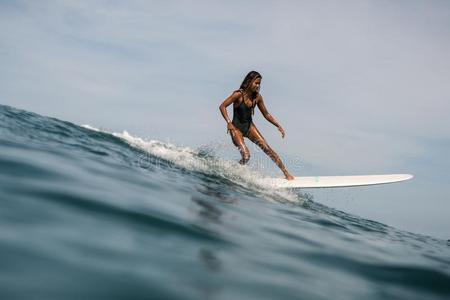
column 269, row 151
column 264, row 147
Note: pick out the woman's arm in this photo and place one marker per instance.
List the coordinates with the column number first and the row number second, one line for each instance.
column 228, row 101
column 267, row 115
column 223, row 109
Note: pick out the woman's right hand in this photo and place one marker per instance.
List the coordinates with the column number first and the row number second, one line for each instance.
column 230, row 128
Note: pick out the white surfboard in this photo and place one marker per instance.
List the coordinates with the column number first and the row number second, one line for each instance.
column 335, row 181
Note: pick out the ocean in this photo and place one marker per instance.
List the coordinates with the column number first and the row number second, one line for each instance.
column 91, row 214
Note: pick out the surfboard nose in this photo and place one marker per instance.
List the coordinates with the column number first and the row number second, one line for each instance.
column 336, row 181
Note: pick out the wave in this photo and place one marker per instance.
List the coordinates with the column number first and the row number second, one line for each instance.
column 122, row 216
column 157, row 153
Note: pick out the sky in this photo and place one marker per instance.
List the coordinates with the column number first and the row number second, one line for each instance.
column 361, row 87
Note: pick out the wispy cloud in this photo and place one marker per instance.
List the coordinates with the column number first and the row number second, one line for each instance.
column 365, row 77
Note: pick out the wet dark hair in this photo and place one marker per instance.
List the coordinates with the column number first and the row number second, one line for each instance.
column 249, row 78
column 252, row 75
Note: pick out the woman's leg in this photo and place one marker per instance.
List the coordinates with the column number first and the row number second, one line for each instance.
column 238, row 141
column 255, row 136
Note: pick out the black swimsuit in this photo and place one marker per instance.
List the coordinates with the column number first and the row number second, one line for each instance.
column 242, row 116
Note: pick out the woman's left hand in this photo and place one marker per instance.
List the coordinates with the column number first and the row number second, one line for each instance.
column 282, row 131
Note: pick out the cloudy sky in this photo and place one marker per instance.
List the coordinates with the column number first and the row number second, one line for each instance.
column 361, row 87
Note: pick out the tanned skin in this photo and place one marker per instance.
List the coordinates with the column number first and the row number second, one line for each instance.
column 253, row 133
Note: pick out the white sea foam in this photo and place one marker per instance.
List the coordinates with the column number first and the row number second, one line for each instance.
column 90, row 127
column 193, row 160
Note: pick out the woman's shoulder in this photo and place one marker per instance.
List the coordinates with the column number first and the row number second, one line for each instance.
column 258, row 98
column 237, row 94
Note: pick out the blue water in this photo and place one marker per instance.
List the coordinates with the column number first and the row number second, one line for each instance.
column 87, row 214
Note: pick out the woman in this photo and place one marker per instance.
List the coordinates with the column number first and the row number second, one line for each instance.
column 244, row 101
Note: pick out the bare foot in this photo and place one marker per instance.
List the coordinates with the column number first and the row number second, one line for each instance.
column 289, row 177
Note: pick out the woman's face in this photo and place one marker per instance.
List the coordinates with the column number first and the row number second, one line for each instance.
column 255, row 85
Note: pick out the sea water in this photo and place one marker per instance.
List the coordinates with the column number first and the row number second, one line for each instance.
column 89, row 214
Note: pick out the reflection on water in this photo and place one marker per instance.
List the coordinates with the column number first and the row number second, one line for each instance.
column 207, row 212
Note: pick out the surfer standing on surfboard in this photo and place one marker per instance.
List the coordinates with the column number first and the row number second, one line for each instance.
column 244, row 101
